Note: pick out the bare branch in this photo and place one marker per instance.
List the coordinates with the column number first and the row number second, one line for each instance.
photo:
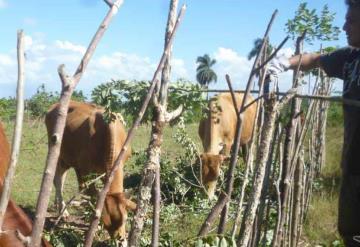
column 272, row 55
column 68, row 85
column 87, row 184
column 272, row 107
column 109, row 3
column 6, row 190
column 66, row 80
column 169, row 116
column 236, row 145
column 228, row 80
column 102, row 195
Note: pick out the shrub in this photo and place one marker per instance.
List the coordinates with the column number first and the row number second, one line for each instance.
column 127, row 97
column 40, row 102
column 7, row 108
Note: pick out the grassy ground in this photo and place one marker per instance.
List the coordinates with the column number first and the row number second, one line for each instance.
column 321, row 222
column 320, row 225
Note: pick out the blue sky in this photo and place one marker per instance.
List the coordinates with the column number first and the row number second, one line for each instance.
column 59, row 32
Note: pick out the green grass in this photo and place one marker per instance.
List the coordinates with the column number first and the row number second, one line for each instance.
column 320, row 224
column 321, row 220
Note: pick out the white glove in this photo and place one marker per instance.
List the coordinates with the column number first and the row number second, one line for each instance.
column 276, row 66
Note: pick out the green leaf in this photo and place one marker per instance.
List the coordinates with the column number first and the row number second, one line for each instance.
column 199, row 243
column 223, row 242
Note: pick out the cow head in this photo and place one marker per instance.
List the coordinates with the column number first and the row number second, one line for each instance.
column 114, row 214
column 211, row 167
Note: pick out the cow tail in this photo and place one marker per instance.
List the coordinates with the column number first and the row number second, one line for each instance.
column 111, row 152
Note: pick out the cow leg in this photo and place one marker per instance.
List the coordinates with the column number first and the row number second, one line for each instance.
column 88, row 191
column 59, row 180
column 80, row 180
column 245, row 151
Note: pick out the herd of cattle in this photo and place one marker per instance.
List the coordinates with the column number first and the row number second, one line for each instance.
column 90, row 145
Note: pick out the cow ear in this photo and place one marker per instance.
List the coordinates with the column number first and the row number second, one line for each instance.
column 130, row 205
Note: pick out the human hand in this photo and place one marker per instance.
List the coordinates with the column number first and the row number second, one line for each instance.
column 276, row 66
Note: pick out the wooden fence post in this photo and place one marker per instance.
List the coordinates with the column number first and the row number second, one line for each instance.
column 6, row 188
column 68, row 85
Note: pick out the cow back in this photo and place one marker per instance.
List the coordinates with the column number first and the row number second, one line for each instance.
column 219, row 126
column 90, row 144
column 82, row 144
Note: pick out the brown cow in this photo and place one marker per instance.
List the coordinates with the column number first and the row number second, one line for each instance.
column 90, row 145
column 15, row 218
column 217, row 132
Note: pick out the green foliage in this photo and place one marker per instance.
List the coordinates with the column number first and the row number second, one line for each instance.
column 78, row 96
column 190, row 96
column 168, row 240
column 65, row 237
column 216, row 241
column 187, row 171
column 40, row 102
column 335, row 115
column 7, row 108
column 126, row 97
column 318, row 27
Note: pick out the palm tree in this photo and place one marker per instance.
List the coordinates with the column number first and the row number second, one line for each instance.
column 204, row 72
column 257, row 45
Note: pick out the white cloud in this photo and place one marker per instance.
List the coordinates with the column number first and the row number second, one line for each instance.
column 236, row 66
column 67, row 45
column 6, row 60
column 28, row 41
column 43, row 59
column 178, row 69
column 3, row 4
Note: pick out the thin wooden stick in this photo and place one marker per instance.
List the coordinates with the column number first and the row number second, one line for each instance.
column 68, row 85
column 228, row 80
column 277, row 187
column 6, row 189
column 102, row 195
column 272, row 55
column 224, row 212
column 158, row 127
column 109, row 3
column 265, row 187
column 250, row 159
column 272, row 107
column 87, row 184
column 241, row 120
column 302, row 96
column 290, row 139
column 236, row 146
